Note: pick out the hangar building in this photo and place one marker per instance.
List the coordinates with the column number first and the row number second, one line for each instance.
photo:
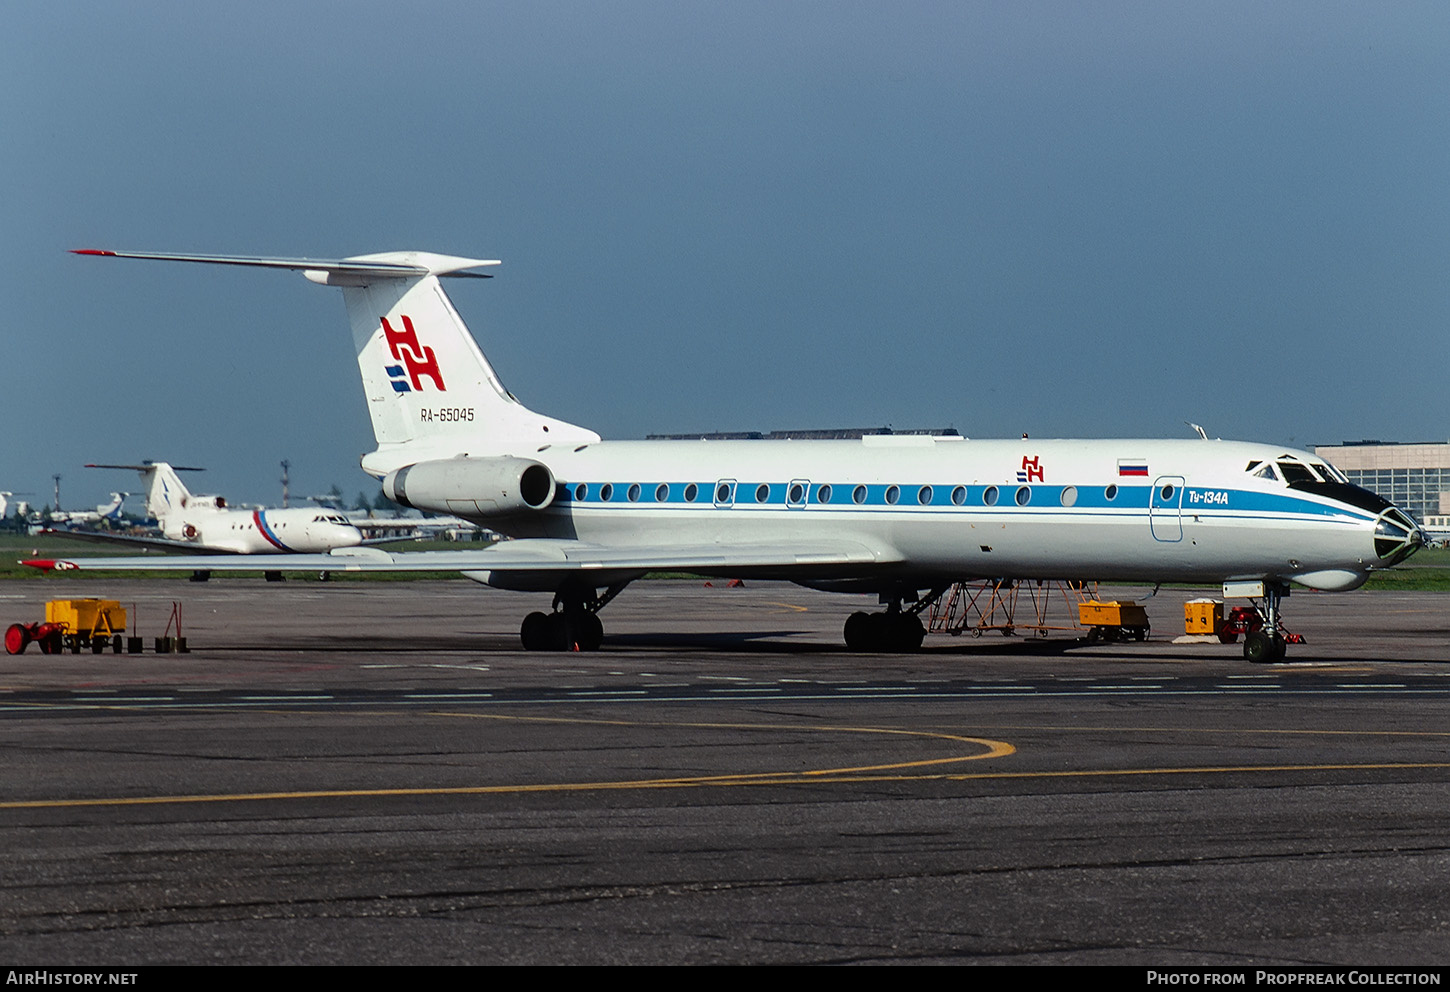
column 1413, row 476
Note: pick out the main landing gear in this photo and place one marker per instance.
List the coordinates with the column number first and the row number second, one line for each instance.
column 574, row 624
column 897, row 629
column 1266, row 641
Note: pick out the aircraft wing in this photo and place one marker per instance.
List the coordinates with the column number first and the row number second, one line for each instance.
column 159, row 543
column 525, row 555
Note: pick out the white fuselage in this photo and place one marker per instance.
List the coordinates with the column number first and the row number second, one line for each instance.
column 952, row 508
column 260, row 531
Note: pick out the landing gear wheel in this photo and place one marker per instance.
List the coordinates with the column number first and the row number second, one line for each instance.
column 533, row 634
column 858, row 627
column 556, row 633
column 563, row 631
column 1263, row 647
column 907, row 632
column 901, row 632
column 588, row 631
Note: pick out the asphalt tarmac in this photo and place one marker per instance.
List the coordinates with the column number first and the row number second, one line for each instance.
column 373, row 773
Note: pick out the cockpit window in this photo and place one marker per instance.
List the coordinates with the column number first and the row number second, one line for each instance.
column 1296, row 472
column 1330, row 473
column 1266, row 471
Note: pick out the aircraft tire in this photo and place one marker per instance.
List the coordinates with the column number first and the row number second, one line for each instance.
column 588, row 631
column 907, row 633
column 1262, row 647
column 533, row 633
column 896, row 632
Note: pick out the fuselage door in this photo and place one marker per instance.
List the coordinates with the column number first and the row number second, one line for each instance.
column 1165, row 508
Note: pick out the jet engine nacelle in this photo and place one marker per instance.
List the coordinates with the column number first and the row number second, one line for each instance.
column 473, row 487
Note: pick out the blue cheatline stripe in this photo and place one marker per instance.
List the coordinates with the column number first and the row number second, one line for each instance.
column 260, row 519
column 1216, row 503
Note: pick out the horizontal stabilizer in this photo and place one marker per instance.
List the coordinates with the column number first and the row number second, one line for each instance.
column 148, row 467
column 388, row 264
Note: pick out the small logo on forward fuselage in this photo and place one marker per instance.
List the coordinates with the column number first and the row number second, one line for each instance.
column 1031, row 470
column 418, row 360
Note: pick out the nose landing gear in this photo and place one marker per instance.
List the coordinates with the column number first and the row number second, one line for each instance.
column 1265, row 638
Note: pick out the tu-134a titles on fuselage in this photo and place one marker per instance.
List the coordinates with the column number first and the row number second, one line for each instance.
column 899, row 516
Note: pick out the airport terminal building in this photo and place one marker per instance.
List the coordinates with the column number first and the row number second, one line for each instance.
column 1413, row 476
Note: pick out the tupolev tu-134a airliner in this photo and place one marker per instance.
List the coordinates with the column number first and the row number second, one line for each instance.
column 901, row 516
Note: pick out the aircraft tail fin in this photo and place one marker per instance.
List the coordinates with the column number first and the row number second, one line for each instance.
column 112, row 510
column 430, row 391
column 166, row 494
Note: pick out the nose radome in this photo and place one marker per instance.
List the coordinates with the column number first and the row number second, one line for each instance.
column 1396, row 537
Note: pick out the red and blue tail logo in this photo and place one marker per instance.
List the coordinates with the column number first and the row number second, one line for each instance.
column 418, row 360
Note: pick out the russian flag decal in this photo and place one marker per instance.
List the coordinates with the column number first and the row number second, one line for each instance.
column 1132, row 467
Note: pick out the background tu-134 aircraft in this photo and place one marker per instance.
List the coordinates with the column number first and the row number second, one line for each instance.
column 898, row 515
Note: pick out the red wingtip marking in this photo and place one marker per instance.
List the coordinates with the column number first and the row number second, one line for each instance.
column 91, row 251
column 44, row 564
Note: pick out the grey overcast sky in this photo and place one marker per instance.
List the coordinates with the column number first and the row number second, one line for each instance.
column 1063, row 218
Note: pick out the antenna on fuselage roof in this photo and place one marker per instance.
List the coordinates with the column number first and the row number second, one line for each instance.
column 1198, row 430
